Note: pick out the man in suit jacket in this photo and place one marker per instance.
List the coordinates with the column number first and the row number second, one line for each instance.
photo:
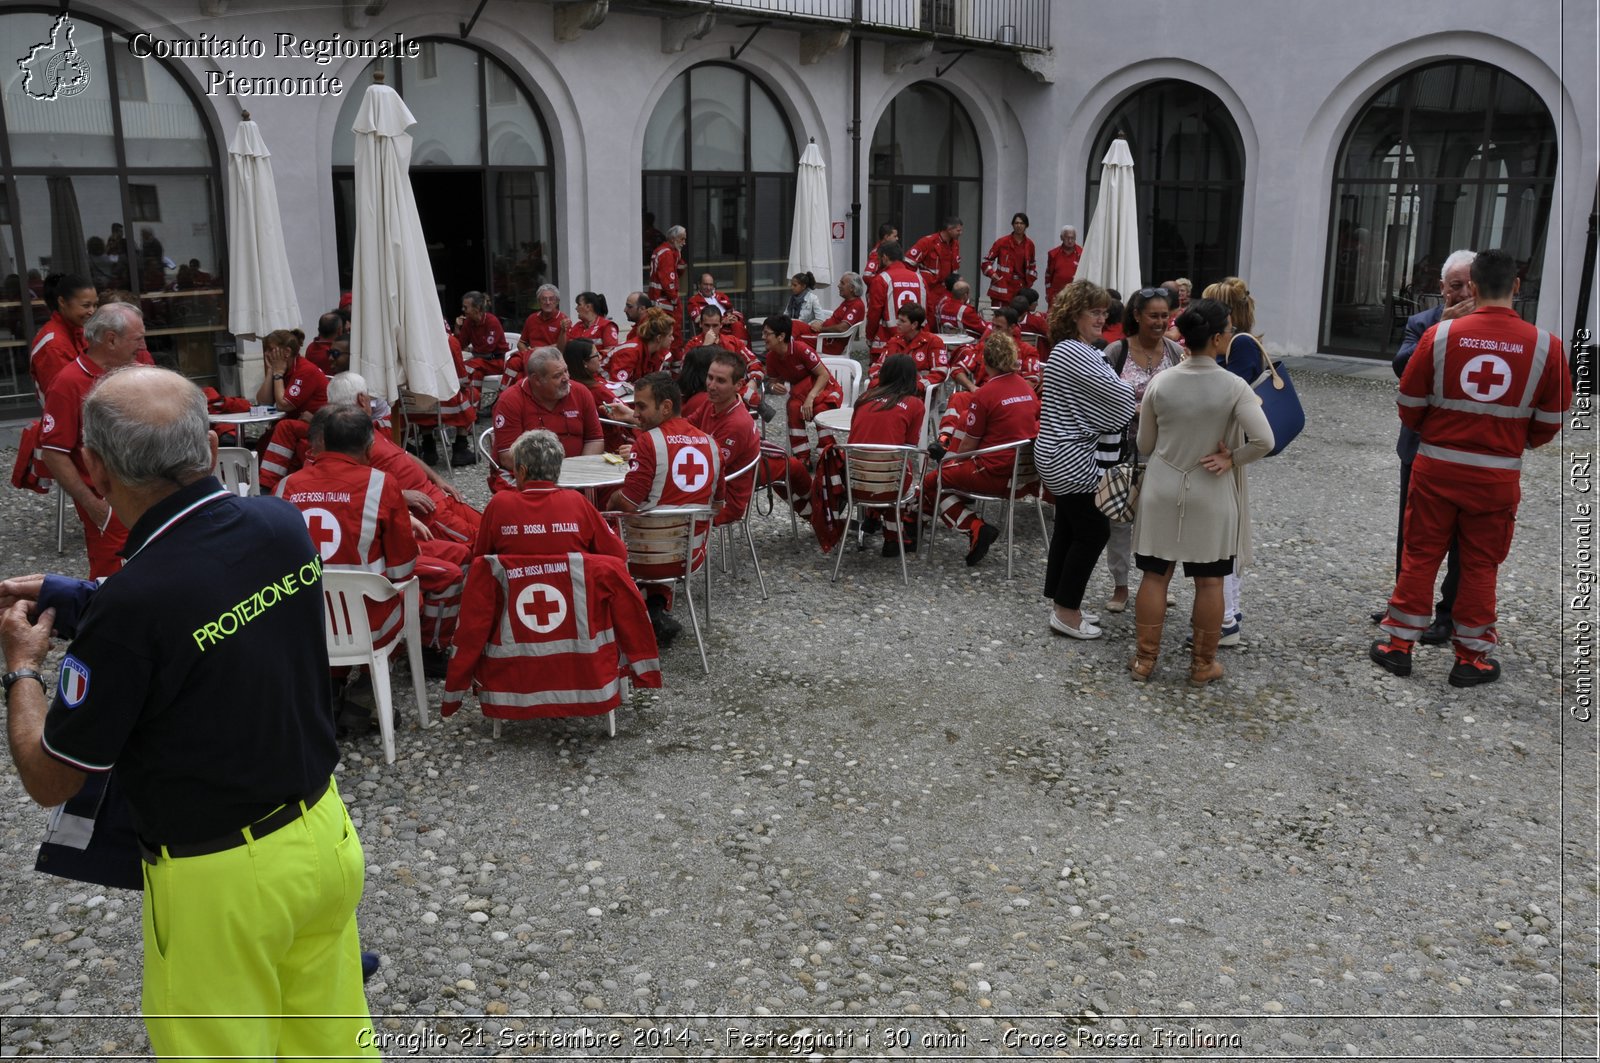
column 1455, row 285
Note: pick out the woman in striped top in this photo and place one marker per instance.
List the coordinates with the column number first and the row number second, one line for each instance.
column 1085, row 409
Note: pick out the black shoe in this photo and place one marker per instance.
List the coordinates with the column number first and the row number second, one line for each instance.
column 872, row 526
column 891, row 547
column 435, row 663
column 1474, row 673
column 985, row 537
column 1396, row 661
column 369, row 965
column 460, row 456
column 430, row 451
column 663, row 623
column 1438, row 632
column 1377, row 618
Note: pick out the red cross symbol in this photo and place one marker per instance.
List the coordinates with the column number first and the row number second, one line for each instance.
column 325, row 531
column 541, row 607
column 688, row 470
column 1486, row 378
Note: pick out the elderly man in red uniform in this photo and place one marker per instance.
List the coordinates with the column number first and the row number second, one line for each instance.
column 924, row 347
column 357, row 519
column 1061, row 264
column 1011, row 264
column 544, row 398
column 666, row 263
column 895, row 285
column 115, row 335
column 482, row 338
column 1004, row 410
column 545, row 327
column 957, row 314
column 936, row 256
column 852, row 309
column 539, row 517
column 1480, row 390
column 671, row 463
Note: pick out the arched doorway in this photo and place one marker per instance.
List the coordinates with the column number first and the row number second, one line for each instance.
column 1188, row 169
column 480, row 169
column 1456, row 154
column 115, row 176
column 926, row 165
column 719, row 159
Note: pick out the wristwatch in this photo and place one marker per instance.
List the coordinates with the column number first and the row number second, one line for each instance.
column 12, row 678
column 277, row 376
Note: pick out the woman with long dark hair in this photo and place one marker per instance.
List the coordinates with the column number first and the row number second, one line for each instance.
column 891, row 414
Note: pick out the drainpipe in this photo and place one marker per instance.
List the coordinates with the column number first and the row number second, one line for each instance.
column 855, row 141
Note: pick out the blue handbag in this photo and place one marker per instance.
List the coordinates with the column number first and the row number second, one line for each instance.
column 1280, row 403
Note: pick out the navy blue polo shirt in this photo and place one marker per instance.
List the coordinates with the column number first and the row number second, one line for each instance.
column 200, row 670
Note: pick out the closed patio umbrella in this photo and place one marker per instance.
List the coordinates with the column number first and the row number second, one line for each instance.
column 1111, row 249
column 260, row 284
column 397, row 333
column 810, row 245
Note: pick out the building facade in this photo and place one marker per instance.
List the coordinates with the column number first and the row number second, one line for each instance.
column 1332, row 157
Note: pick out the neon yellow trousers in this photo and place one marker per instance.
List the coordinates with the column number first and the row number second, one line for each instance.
column 253, row 952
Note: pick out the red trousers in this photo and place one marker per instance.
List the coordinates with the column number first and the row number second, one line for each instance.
column 772, row 470
column 441, row 581
column 103, row 546
column 1481, row 515
column 963, row 476
column 830, row 399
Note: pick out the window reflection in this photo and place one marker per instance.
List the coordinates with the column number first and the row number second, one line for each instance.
column 925, row 167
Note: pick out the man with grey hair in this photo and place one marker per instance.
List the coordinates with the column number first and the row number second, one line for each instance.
column 251, row 868
column 546, row 327
column 115, row 335
column 667, row 269
column 852, row 310
column 482, row 338
column 540, row 517
column 1061, row 264
column 1455, row 287
column 544, row 398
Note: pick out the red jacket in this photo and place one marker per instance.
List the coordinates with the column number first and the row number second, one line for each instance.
column 56, row 346
column 663, row 288
column 1059, row 269
column 549, row 635
column 926, row 348
column 1482, row 389
column 1010, row 266
column 936, row 258
column 842, row 320
column 541, row 331
column 886, row 293
column 952, row 315
column 602, row 332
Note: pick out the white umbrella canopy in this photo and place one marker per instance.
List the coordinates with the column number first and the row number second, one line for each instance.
column 811, row 246
column 260, row 286
column 1111, row 249
column 396, row 339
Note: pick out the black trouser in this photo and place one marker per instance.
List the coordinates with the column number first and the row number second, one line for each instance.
column 1081, row 534
column 1452, row 564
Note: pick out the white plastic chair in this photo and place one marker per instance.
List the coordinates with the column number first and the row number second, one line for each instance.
column 1023, row 478
column 730, row 558
column 239, row 469
column 345, row 593
column 875, row 478
column 851, row 337
column 490, row 391
column 668, row 536
column 847, row 371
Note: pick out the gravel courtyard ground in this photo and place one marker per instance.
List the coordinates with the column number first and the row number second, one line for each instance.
column 907, row 821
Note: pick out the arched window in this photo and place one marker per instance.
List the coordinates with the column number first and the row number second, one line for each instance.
column 480, row 169
column 1456, row 154
column 926, row 167
column 719, row 159
column 110, row 172
column 1188, row 170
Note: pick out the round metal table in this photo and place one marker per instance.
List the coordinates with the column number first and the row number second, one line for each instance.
column 837, row 422
column 591, row 471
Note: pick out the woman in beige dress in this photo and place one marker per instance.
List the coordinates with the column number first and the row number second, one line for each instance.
column 1193, row 505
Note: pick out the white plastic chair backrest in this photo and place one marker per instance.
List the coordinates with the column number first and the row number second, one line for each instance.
column 239, row 469
column 345, row 594
column 486, row 446
column 1035, row 340
column 491, row 388
column 847, row 371
column 930, row 417
column 512, row 339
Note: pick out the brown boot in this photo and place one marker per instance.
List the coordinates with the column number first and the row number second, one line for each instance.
column 1149, row 648
column 1203, row 666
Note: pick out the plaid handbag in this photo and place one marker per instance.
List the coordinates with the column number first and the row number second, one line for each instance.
column 1117, row 494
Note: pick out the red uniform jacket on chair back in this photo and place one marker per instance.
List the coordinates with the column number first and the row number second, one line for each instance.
column 549, row 635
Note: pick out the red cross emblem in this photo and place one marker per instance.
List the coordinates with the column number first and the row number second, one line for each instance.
column 325, row 530
column 541, row 607
column 1486, row 378
column 690, row 470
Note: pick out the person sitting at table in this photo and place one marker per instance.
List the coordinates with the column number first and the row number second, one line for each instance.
column 706, row 294
column 968, row 371
column 357, row 519
column 726, row 419
column 483, row 338
column 1029, row 319
column 926, row 349
column 544, row 398
column 592, row 323
column 852, row 309
column 1004, row 410
column 319, row 352
column 890, row 414
column 691, row 379
column 714, row 334
column 292, row 384
column 671, row 463
column 540, row 517
column 644, row 354
column 583, row 365
column 457, row 414
column 545, row 327
column 795, row 368
column 955, row 312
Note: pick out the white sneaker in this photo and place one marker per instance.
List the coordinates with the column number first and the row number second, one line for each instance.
column 1084, row 630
